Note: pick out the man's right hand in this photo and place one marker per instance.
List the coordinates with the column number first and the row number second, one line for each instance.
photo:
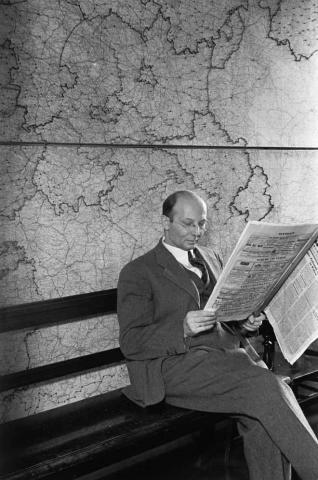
column 198, row 321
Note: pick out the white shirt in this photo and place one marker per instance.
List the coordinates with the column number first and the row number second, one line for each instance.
column 182, row 257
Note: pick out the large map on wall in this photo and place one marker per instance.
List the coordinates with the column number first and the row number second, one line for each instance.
column 204, row 73
column 165, row 71
column 74, row 217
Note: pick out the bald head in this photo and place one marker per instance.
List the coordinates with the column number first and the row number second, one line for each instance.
column 181, row 196
column 184, row 219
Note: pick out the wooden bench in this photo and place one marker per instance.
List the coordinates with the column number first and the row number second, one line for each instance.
column 88, row 435
column 85, row 436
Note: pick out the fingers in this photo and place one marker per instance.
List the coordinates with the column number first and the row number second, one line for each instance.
column 202, row 316
column 195, row 329
column 202, row 313
column 253, row 323
column 199, row 321
column 259, row 317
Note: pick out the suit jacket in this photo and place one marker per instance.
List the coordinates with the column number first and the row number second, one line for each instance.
column 154, row 295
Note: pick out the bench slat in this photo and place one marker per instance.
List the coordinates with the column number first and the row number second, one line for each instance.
column 91, row 434
column 59, row 370
column 58, row 310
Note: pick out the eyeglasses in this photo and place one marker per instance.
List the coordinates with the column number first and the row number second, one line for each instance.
column 201, row 226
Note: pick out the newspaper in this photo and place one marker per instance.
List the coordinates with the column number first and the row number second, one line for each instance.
column 293, row 312
column 255, row 269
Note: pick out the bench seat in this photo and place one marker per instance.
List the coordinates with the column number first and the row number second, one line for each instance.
column 85, row 436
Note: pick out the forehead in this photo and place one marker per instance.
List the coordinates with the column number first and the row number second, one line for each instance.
column 190, row 208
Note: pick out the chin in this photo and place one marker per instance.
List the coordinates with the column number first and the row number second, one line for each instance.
column 191, row 244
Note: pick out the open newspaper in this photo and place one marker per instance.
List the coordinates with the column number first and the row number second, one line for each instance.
column 265, row 256
column 293, row 312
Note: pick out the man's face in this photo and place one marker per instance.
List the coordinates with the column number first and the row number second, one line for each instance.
column 187, row 225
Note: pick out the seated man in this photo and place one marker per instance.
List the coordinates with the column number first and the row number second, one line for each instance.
column 179, row 352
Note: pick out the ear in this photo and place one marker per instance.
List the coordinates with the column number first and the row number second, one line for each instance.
column 165, row 222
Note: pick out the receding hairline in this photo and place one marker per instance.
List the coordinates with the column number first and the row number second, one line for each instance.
column 188, row 194
column 171, row 200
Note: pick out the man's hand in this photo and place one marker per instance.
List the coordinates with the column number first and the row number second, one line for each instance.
column 253, row 323
column 198, row 321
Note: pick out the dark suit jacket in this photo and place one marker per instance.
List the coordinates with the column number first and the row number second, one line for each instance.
column 154, row 295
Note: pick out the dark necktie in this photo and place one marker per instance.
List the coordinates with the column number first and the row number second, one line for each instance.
column 196, row 261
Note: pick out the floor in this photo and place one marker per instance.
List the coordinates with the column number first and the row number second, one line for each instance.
column 185, row 464
column 188, row 462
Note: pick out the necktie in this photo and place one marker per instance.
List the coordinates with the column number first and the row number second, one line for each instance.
column 196, row 261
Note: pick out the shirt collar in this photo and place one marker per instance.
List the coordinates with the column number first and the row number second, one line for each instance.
column 180, row 255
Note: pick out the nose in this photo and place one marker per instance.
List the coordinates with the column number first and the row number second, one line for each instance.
column 196, row 230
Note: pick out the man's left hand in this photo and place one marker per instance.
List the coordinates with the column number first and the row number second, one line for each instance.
column 253, row 323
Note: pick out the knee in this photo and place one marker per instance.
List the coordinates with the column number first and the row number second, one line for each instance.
column 267, row 388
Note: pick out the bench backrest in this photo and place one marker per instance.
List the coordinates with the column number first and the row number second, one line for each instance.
column 59, row 311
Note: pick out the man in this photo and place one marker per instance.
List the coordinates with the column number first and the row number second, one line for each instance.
column 179, row 352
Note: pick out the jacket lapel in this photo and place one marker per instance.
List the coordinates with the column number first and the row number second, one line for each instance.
column 174, row 272
column 212, row 264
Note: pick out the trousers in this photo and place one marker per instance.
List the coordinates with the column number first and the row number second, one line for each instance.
column 275, row 431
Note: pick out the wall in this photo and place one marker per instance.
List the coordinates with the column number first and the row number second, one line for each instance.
column 107, row 107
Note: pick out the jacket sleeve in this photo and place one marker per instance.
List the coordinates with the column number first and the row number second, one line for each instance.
column 144, row 334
